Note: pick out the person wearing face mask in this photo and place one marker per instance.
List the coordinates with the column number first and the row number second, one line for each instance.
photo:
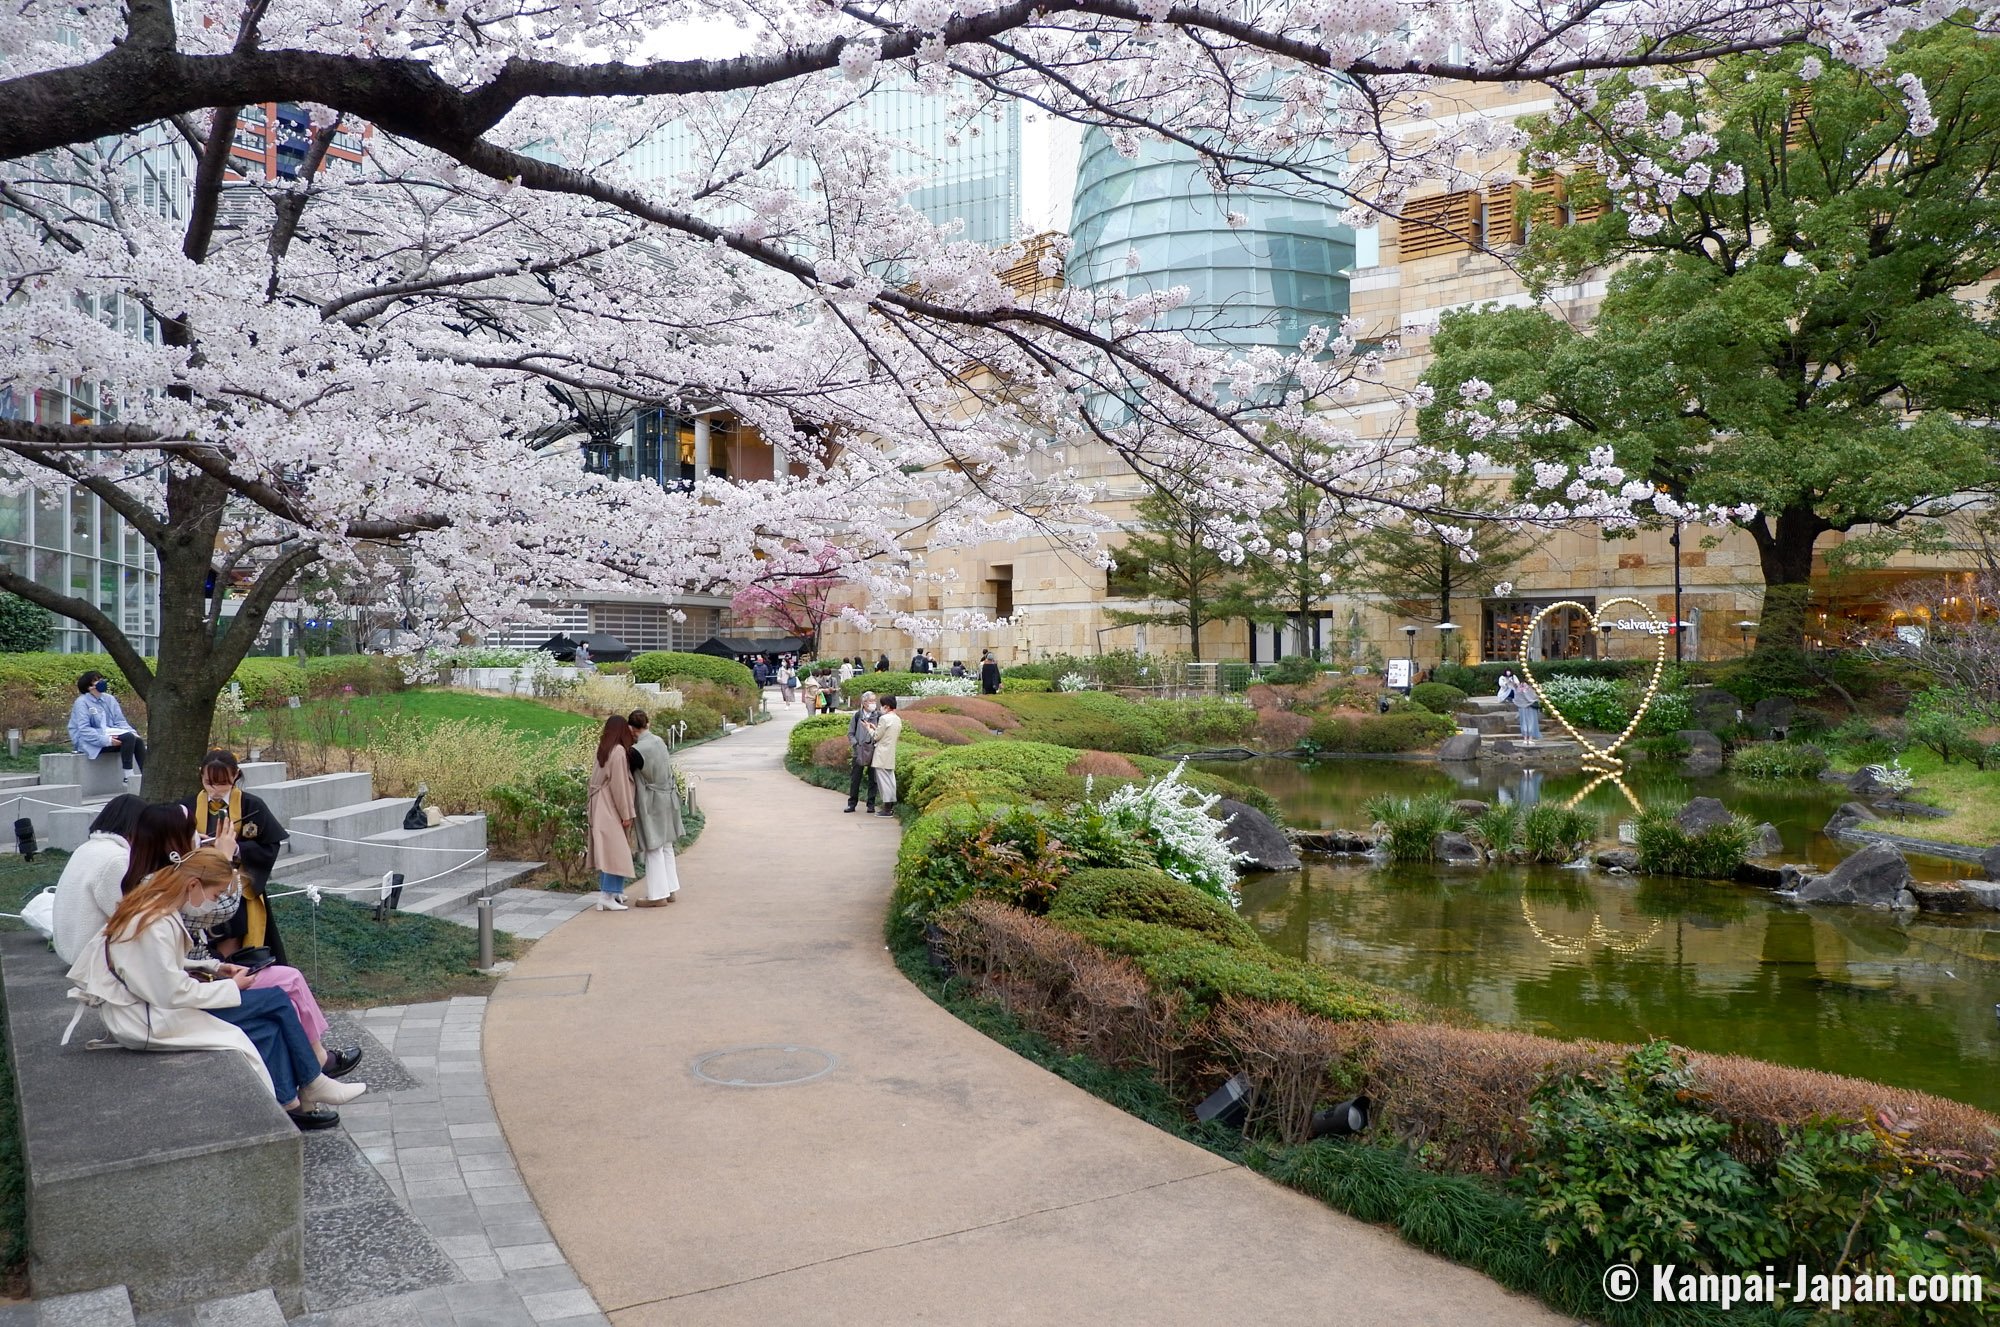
column 136, row 973
column 164, row 836
column 97, row 724
column 861, row 751
column 222, row 811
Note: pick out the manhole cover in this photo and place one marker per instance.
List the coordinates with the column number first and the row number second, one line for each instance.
column 763, row 1066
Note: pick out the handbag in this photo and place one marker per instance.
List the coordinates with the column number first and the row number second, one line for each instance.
column 414, row 818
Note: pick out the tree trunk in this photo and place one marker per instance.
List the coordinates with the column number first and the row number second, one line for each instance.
column 1785, row 553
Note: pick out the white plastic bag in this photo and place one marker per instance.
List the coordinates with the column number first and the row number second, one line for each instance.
column 40, row 912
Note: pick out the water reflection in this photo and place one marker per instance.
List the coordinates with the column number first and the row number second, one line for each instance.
column 1574, row 953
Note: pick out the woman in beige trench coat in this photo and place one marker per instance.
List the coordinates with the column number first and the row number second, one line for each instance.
column 611, row 812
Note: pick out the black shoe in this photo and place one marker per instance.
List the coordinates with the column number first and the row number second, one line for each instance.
column 887, row 813
column 312, row 1118
column 339, row 1063
column 849, row 808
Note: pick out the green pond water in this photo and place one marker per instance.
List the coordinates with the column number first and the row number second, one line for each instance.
column 1911, row 1000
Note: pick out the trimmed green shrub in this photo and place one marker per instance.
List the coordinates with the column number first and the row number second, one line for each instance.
column 1292, row 670
column 925, row 885
column 1464, row 678
column 1206, row 971
column 809, row 733
column 1777, row 760
column 24, row 627
column 1714, row 854
column 1380, row 734
column 896, row 682
column 48, row 676
column 1087, row 720
column 1148, row 895
column 1438, row 697
column 1202, row 721
column 659, row 665
column 1022, row 685
column 994, row 772
column 368, row 674
column 269, row 682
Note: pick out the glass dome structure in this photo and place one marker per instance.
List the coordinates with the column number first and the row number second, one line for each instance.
column 1266, row 283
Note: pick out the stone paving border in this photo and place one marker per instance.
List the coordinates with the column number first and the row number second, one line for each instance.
column 439, row 1148
column 527, row 913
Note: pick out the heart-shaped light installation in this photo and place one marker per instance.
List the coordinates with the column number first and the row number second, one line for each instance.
column 1593, row 754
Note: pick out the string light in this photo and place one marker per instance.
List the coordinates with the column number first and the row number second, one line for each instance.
column 1593, row 756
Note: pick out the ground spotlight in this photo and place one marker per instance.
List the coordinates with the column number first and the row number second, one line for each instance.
column 24, row 839
column 1349, row 1117
column 1228, row 1105
column 391, row 897
column 934, row 950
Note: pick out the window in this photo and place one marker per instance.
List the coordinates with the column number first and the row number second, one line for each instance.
column 1000, row 583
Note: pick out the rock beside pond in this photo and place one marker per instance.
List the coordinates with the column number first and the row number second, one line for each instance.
column 1942, row 896
column 1765, row 877
column 1984, row 895
column 1455, row 850
column 1251, row 831
column 1989, row 861
column 1772, row 712
column 1715, row 708
column 1471, row 807
column 1702, row 813
column 1330, row 840
column 1847, row 817
column 1863, row 781
column 1765, row 841
column 1618, row 859
column 1904, row 810
column 1460, row 746
column 1875, row 877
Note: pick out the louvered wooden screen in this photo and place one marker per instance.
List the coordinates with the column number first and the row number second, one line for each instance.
column 1503, row 218
column 1795, row 122
column 1585, row 193
column 1445, row 223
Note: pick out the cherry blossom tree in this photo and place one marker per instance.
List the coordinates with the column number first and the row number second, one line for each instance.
column 298, row 373
column 797, row 603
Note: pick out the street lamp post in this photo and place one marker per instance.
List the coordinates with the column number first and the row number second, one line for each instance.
column 1410, row 679
column 1745, row 627
column 1679, row 626
column 1444, row 640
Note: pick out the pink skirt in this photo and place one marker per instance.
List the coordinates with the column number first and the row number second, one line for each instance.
column 293, row 983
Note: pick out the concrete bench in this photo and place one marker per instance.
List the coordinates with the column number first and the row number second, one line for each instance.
column 101, row 777
column 172, row 1173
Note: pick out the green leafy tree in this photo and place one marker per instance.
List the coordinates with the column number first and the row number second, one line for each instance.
column 1425, row 566
column 1309, row 549
column 24, row 627
column 1166, row 561
column 1810, row 340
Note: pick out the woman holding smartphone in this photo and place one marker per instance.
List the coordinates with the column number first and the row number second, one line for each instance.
column 137, row 974
column 243, row 826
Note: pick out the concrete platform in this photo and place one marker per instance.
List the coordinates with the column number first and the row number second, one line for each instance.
column 420, row 853
column 336, row 832
column 101, row 777
column 291, row 798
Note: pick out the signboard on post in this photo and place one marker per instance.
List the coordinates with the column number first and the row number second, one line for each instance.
column 1399, row 671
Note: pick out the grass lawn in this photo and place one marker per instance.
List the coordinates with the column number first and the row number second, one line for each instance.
column 352, row 717
column 1971, row 795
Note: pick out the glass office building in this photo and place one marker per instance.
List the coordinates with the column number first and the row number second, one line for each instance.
column 972, row 167
column 1264, row 283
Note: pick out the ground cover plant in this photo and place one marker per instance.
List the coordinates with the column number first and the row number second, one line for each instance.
column 1713, row 853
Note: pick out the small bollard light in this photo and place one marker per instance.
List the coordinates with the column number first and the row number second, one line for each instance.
column 391, row 897
column 1344, row 1120
column 485, row 910
column 13, row 741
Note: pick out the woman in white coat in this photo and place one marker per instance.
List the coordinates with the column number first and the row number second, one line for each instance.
column 88, row 891
column 137, row 974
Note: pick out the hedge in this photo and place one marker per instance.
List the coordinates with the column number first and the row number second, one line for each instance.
column 1087, row 720
column 1377, row 734
column 266, row 682
column 1438, row 697
column 1484, row 679
column 894, row 683
column 658, row 665
column 1020, row 686
column 1141, row 895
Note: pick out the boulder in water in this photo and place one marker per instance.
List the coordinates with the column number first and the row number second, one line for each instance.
column 1250, row 830
column 1875, row 877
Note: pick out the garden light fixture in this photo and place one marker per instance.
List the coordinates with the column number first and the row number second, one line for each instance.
column 1348, row 1118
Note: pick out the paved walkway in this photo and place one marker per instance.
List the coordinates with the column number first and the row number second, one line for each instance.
column 924, row 1174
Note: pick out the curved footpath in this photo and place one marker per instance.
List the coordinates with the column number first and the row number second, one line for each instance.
column 931, row 1175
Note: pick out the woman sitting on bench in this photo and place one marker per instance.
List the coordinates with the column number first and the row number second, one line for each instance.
column 166, row 834
column 152, row 996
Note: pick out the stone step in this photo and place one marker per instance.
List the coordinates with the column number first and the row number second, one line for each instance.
column 291, row 798
column 34, row 804
column 456, row 890
column 109, row 1307
column 339, row 832
column 1489, row 722
column 259, row 1308
column 421, row 853
column 262, row 773
column 299, row 866
column 19, row 780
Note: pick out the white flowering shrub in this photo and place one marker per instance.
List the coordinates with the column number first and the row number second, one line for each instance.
column 1172, row 820
column 1072, row 682
column 1894, row 777
column 944, row 686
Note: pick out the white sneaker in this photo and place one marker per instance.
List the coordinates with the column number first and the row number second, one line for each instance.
column 611, row 903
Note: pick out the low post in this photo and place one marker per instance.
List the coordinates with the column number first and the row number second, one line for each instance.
column 485, row 909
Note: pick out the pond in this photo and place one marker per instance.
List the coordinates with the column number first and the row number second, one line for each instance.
column 1913, row 1001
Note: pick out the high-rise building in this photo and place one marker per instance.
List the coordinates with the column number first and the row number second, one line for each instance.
column 272, row 137
column 972, row 167
column 1261, row 267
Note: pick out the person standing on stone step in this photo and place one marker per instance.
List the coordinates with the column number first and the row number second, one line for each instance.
column 1528, row 707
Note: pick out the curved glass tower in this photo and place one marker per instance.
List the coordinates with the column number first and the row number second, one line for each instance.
column 1264, row 284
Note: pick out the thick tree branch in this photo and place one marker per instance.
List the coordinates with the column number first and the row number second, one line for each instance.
column 91, row 617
